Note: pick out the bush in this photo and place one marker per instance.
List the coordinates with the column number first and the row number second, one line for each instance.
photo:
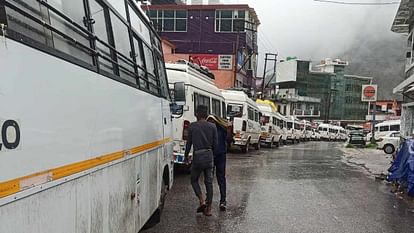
column 350, row 146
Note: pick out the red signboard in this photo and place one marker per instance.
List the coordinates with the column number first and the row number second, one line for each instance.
column 369, row 91
column 208, row 60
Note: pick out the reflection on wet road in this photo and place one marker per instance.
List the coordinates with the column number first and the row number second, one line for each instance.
column 297, row 188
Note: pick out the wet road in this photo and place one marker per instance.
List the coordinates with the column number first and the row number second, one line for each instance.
column 300, row 188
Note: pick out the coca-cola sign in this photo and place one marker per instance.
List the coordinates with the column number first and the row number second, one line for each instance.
column 208, row 60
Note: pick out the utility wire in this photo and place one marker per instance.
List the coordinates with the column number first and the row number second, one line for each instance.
column 358, row 3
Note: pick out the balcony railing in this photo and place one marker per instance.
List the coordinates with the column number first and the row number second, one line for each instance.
column 306, row 113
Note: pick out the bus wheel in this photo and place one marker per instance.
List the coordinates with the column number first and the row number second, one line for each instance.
column 156, row 216
column 245, row 148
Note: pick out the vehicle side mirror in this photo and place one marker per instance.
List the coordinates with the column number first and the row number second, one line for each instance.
column 179, row 93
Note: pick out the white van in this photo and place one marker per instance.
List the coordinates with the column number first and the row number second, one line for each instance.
column 306, row 130
column 344, row 134
column 200, row 90
column 293, row 129
column 324, row 131
column 270, row 131
column 384, row 128
column 285, row 133
column 245, row 115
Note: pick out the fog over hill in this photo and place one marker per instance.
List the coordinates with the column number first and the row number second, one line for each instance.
column 382, row 58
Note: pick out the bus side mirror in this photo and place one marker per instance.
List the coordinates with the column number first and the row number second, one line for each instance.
column 179, row 93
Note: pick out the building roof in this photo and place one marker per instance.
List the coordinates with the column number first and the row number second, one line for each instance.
column 358, row 77
column 401, row 20
column 204, row 7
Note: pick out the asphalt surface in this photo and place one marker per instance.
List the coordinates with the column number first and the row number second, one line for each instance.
column 297, row 188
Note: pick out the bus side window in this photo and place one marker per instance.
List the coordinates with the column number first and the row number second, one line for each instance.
column 394, row 127
column 27, row 28
column 250, row 114
column 223, row 110
column 216, row 107
column 123, row 46
column 100, row 17
column 73, row 9
column 150, row 67
column 162, row 77
column 195, row 103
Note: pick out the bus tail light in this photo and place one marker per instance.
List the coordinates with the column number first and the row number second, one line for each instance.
column 244, row 126
column 270, row 129
column 186, row 125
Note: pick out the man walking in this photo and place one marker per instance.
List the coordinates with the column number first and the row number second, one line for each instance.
column 220, row 156
column 202, row 136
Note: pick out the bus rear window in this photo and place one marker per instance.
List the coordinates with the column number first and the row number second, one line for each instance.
column 234, row 110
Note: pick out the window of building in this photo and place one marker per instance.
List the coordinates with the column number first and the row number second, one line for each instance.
column 230, row 20
column 169, row 20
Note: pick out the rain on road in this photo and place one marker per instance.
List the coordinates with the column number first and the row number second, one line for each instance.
column 296, row 188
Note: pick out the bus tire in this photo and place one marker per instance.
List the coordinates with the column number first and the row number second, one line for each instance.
column 156, row 216
column 245, row 148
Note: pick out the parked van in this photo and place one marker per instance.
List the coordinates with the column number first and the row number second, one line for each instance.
column 270, row 131
column 324, row 131
column 293, row 130
column 384, row 128
column 200, row 90
column 334, row 132
column 306, row 130
column 245, row 115
column 283, row 128
column 343, row 134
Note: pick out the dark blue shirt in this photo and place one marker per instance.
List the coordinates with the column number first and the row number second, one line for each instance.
column 221, row 148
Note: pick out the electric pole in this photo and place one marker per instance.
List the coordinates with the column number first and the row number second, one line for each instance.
column 268, row 57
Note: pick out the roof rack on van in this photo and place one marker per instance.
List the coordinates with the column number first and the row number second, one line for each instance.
column 202, row 69
column 245, row 90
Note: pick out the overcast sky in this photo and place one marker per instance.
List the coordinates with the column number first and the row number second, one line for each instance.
column 314, row 30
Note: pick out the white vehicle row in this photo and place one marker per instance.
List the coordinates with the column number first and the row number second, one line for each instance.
column 332, row 132
column 253, row 123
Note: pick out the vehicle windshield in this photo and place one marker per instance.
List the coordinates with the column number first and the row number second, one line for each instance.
column 234, row 110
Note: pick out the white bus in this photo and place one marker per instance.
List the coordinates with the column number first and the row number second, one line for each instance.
column 245, row 116
column 270, row 131
column 200, row 90
column 86, row 123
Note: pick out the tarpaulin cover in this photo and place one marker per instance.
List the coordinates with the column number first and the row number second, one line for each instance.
column 402, row 169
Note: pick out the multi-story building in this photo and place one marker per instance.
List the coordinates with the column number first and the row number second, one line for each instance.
column 324, row 93
column 221, row 37
column 404, row 24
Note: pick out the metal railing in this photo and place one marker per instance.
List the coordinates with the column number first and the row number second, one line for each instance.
column 306, row 113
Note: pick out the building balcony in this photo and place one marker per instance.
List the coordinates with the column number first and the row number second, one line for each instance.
column 306, row 113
